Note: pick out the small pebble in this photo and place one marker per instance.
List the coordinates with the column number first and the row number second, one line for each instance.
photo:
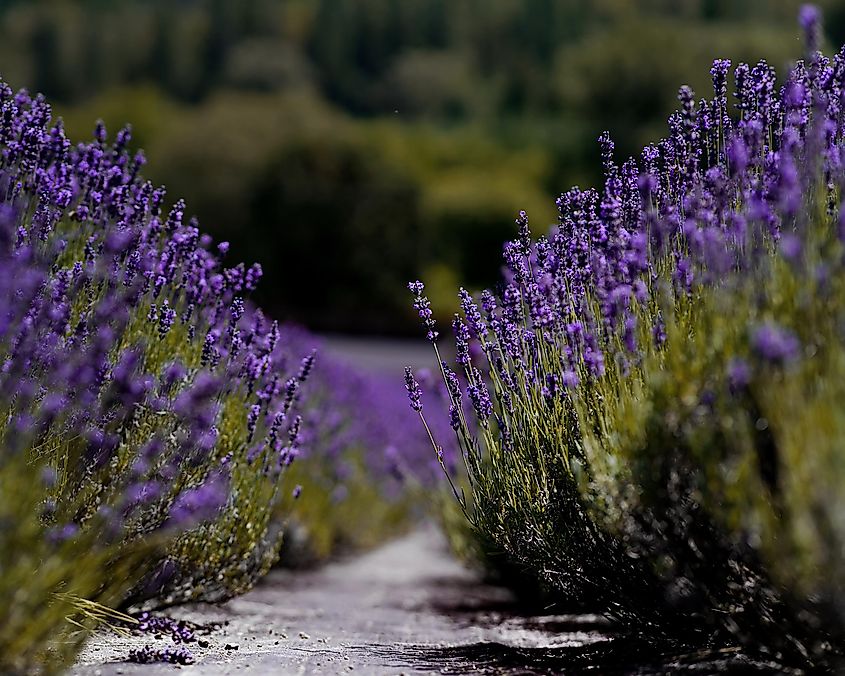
column 232, row 646
column 202, row 643
column 302, row 634
column 283, row 635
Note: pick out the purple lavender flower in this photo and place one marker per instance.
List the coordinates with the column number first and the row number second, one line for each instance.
column 473, row 315
column 173, row 373
column 199, row 504
column 150, row 655
column 61, row 534
column 453, row 385
column 462, row 341
column 776, row 344
column 739, row 374
column 166, row 319
column 524, row 233
column 252, row 421
column 551, row 387
column 423, row 307
column 306, row 365
column 480, row 398
column 180, row 632
column 454, row 417
column 142, row 493
column 253, row 276
column 809, row 18
column 413, row 389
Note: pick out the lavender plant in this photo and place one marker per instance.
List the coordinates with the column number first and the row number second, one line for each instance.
column 148, row 410
column 649, row 406
column 365, row 466
column 45, row 564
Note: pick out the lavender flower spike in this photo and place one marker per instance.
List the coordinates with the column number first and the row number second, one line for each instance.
column 480, row 397
column 200, row 504
column 414, row 391
column 423, row 307
column 809, row 17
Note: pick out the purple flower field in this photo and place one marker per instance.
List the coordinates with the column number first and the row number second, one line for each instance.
column 642, row 420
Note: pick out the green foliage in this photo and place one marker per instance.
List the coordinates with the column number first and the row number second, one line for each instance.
column 737, row 493
column 624, row 77
column 314, row 204
column 242, row 80
column 483, row 57
column 41, row 575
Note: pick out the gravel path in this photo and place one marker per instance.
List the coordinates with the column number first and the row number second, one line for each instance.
column 385, row 356
column 406, row 608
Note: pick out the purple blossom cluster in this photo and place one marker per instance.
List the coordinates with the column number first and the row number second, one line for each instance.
column 180, row 632
column 151, row 655
column 710, row 200
column 129, row 356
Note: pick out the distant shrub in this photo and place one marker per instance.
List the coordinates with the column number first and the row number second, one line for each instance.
column 366, row 468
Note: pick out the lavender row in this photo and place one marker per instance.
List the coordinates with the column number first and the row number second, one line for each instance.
column 131, row 360
column 149, row 412
column 628, row 399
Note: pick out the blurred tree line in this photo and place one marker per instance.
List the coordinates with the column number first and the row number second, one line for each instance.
column 350, row 145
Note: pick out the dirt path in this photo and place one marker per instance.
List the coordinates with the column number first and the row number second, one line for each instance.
column 405, row 608
column 385, row 356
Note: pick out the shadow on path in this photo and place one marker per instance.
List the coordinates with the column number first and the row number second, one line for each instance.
column 406, row 608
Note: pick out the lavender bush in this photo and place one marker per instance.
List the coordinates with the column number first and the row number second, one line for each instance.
column 649, row 406
column 150, row 413
column 148, row 410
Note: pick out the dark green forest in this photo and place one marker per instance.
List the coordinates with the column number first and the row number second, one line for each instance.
column 351, row 145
